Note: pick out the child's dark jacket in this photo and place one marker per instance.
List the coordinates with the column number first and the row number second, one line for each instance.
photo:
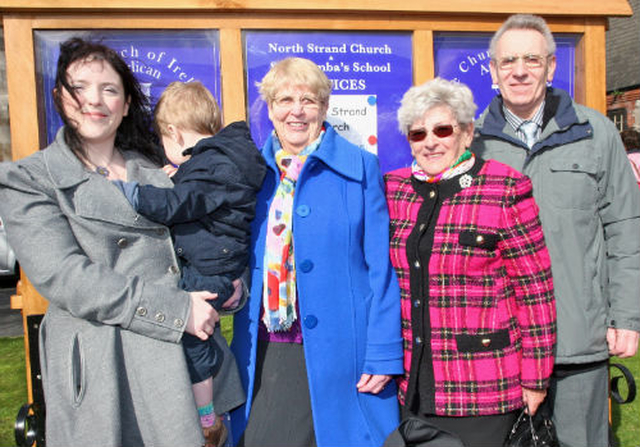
column 211, row 205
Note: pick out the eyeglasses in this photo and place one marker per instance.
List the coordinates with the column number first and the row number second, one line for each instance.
column 530, row 61
column 306, row 102
column 441, row 131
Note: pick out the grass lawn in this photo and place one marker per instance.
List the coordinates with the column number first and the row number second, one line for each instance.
column 226, row 324
column 626, row 418
column 13, row 386
column 13, row 392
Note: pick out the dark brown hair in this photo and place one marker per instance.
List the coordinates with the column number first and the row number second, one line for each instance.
column 631, row 139
column 134, row 133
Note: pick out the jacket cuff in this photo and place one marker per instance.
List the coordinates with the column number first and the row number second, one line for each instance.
column 161, row 313
column 384, row 358
column 618, row 320
column 536, row 384
column 536, row 373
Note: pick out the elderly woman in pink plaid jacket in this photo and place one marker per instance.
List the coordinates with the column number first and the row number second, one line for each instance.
column 478, row 311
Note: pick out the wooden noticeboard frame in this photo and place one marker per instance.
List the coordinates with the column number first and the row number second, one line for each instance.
column 423, row 18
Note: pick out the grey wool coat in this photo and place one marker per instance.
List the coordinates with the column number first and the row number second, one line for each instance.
column 114, row 372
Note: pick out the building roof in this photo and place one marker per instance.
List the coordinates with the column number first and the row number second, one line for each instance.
column 623, row 50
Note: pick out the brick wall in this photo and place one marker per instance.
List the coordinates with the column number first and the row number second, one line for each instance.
column 623, row 69
column 628, row 100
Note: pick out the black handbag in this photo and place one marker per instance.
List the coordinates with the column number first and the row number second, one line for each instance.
column 533, row 431
column 415, row 431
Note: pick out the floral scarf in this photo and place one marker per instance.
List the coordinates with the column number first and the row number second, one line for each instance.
column 279, row 282
column 462, row 165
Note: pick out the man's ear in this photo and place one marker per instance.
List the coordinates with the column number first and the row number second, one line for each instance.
column 494, row 72
column 551, row 68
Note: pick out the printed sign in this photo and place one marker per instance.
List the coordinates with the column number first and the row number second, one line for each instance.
column 369, row 71
column 157, row 58
column 465, row 57
column 356, row 118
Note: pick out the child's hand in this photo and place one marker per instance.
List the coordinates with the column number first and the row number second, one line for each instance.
column 169, row 169
column 234, row 299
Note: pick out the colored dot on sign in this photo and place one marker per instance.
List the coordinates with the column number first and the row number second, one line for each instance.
column 372, row 100
column 372, row 140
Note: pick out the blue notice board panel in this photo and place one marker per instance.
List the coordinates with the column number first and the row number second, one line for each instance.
column 464, row 57
column 370, row 72
column 156, row 57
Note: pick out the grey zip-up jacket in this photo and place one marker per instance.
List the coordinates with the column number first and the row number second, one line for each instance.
column 590, row 211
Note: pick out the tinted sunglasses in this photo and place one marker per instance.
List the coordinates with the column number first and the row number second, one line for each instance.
column 442, row 131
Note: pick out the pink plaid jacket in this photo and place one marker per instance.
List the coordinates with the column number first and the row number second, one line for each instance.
column 478, row 289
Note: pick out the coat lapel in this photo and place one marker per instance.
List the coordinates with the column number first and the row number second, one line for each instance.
column 339, row 155
column 91, row 195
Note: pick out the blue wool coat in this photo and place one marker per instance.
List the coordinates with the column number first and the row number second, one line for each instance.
column 348, row 293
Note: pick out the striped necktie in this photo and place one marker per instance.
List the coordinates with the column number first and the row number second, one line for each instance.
column 530, row 129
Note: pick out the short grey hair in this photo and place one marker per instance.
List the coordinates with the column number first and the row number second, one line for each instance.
column 524, row 22
column 420, row 99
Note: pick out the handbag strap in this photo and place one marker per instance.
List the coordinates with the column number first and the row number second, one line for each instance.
column 534, row 433
column 631, row 385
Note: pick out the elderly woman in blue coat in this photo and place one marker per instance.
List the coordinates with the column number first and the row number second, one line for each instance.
column 319, row 340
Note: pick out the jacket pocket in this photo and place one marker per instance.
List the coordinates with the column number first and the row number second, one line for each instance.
column 572, row 183
column 491, row 341
column 476, row 239
column 77, row 375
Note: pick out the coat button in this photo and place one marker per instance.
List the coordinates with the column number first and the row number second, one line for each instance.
column 418, row 340
column 306, row 266
column 432, row 194
column 310, row 321
column 416, row 303
column 486, row 342
column 416, row 264
column 480, row 239
column 422, row 227
column 160, row 317
column 179, row 250
column 141, row 311
column 303, row 210
column 174, row 270
column 225, row 251
column 122, row 242
column 178, row 322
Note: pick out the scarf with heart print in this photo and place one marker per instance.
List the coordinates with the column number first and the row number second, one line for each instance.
column 279, row 282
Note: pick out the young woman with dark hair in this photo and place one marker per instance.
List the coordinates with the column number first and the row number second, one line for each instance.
column 113, row 368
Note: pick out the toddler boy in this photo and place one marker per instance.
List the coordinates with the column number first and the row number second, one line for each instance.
column 209, row 211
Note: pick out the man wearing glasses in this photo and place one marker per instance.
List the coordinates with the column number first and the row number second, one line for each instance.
column 590, row 212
